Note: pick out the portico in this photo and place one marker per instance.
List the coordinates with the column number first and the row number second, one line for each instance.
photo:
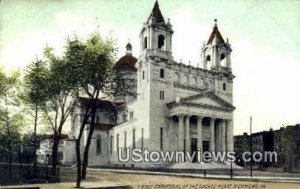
column 219, row 133
column 205, row 118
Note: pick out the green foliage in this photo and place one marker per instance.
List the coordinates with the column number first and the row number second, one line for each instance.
column 10, row 135
column 62, row 80
column 61, row 89
column 8, row 82
column 28, row 143
column 92, row 61
column 36, row 81
column 11, row 121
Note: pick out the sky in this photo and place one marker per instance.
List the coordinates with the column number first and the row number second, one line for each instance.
column 264, row 35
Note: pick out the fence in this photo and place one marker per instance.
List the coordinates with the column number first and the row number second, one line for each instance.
column 18, row 169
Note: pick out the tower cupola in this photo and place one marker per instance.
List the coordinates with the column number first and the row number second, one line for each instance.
column 128, row 49
column 215, row 53
column 156, row 35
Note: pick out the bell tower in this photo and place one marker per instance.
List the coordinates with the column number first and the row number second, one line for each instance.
column 215, row 54
column 156, row 35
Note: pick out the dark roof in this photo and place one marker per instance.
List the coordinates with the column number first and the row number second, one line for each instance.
column 127, row 63
column 102, row 126
column 156, row 13
column 101, row 104
column 128, row 46
column 50, row 136
column 217, row 34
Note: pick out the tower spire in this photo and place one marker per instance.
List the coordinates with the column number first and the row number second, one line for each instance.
column 156, row 14
column 215, row 34
column 214, row 57
column 156, row 35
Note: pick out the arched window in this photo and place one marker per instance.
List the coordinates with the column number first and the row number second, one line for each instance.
column 162, row 73
column 161, row 42
column 222, row 60
column 224, row 86
column 98, row 145
column 208, row 58
column 222, row 56
column 207, row 62
column 177, row 77
column 185, row 80
column 207, row 85
column 145, row 43
column 201, row 83
column 193, row 81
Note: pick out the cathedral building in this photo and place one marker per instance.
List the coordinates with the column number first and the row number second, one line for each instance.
column 173, row 106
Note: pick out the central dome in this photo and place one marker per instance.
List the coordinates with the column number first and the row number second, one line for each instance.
column 127, row 62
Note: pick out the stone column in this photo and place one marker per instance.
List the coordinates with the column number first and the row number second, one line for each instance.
column 223, row 142
column 212, row 135
column 180, row 132
column 187, row 134
column 219, row 136
column 199, row 133
column 171, row 127
column 230, row 146
column 170, row 132
column 228, row 61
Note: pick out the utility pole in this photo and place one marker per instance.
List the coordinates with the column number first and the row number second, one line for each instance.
column 251, row 146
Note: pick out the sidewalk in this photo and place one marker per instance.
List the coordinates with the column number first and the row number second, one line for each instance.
column 208, row 176
column 87, row 185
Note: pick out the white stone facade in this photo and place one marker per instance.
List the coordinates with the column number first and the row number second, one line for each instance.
column 176, row 107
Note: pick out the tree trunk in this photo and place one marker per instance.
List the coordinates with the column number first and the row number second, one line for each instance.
column 35, row 142
column 78, row 158
column 54, row 152
column 88, row 143
column 9, row 158
column 56, row 139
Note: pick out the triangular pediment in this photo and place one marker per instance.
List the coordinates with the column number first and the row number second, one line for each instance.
column 208, row 99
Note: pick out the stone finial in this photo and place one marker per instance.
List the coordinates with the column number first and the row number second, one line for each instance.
column 216, row 22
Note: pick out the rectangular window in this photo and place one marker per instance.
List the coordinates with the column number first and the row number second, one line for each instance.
column 124, row 117
column 133, row 139
column 111, row 144
column 117, row 145
column 142, row 138
column 161, row 95
column 125, row 140
column 143, row 74
column 161, row 137
column 131, row 114
column 99, row 145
